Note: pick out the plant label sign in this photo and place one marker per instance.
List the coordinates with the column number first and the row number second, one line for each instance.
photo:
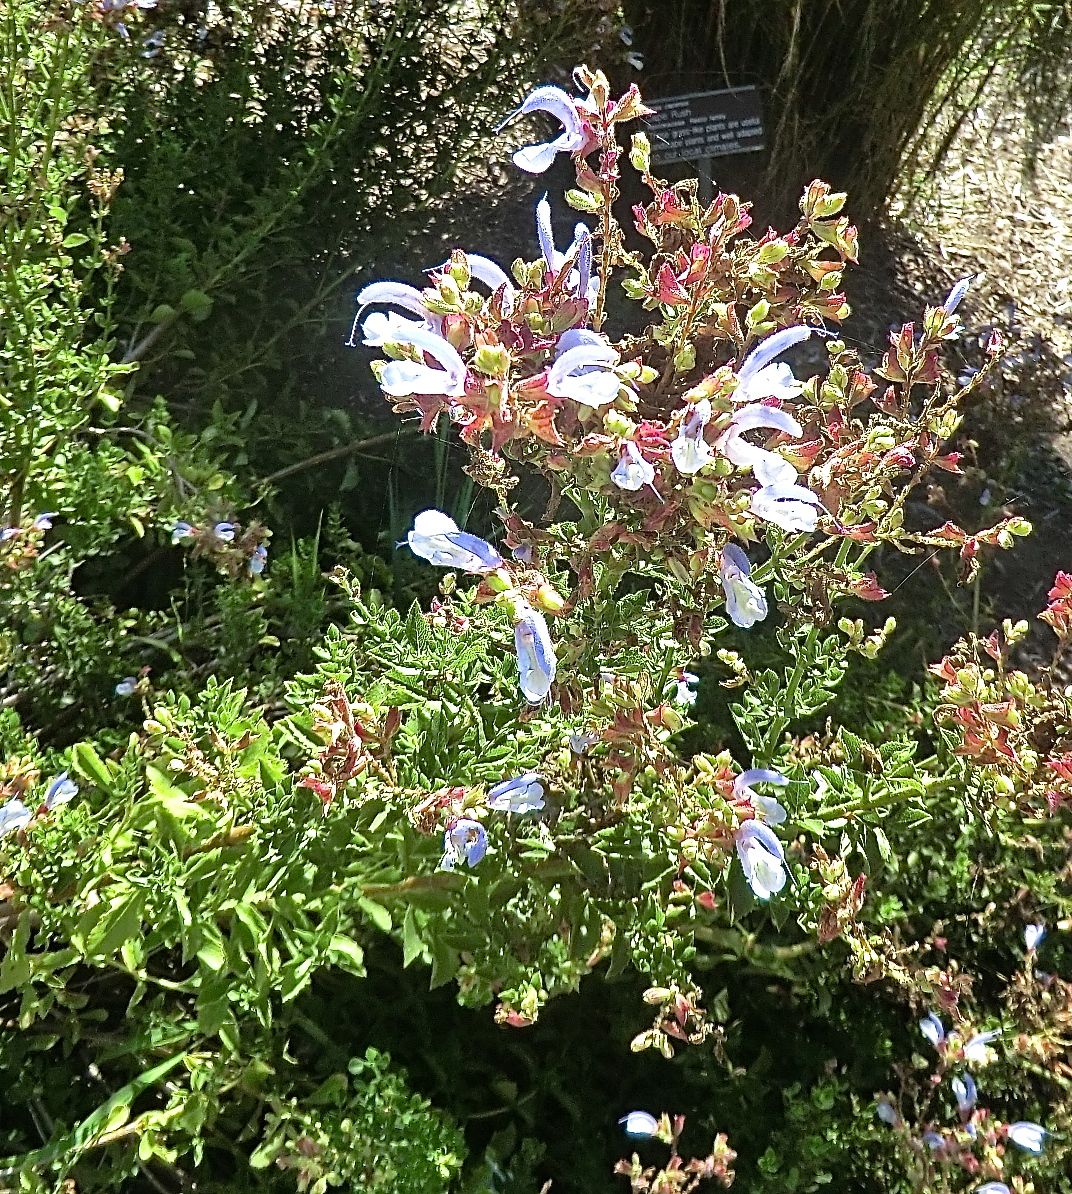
column 705, row 124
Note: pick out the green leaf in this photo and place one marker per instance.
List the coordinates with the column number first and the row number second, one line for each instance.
column 89, row 765
column 412, row 945
column 121, row 921
column 196, row 304
column 347, row 952
column 376, row 913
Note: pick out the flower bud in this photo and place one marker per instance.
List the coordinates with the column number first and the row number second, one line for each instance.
column 685, row 358
column 615, row 423
column 586, row 201
column 550, row 599
column 492, row 359
column 772, row 252
column 640, row 153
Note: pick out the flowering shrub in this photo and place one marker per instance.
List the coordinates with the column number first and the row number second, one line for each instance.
column 496, row 780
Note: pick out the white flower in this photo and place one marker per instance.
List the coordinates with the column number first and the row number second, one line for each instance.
column 746, row 603
column 632, row 471
column 386, row 327
column 579, row 281
column 581, row 370
column 436, row 538
column 759, row 378
column 535, row 159
column 536, row 659
column 1033, row 936
column 1028, row 1136
column 762, row 859
column 782, row 502
column 639, row 1123
column 736, row 448
column 977, row 1048
column 522, row 794
column 400, row 378
column 685, row 691
column 60, row 791
column 886, row 1111
column 956, row 296
column 767, row 808
column 14, row 815
column 933, row 1029
column 690, row 451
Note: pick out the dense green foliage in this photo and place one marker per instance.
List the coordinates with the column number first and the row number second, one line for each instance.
column 230, row 959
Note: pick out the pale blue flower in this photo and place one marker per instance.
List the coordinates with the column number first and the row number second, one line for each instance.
column 489, row 272
column 632, row 472
column 993, row 1188
column 43, row 522
column 782, row 502
column 536, row 659
column 394, row 294
column 579, row 281
column 522, row 794
column 545, row 234
column 759, row 378
column 956, row 295
column 579, row 743
column 746, row 602
column 8, row 533
column 640, row 1124
column 181, row 531
column 685, row 690
column 776, row 469
column 258, row 560
column 767, row 808
column 535, row 159
column 887, row 1112
column 224, row 531
column 464, row 841
column 582, row 238
column 933, row 1140
column 60, row 791
column 128, row 686
column 1033, row 936
column 1028, row 1136
column 933, row 1029
column 583, row 369
column 13, row 816
column 437, row 538
column 388, row 327
column 690, row 451
column 965, row 1092
column 401, row 378
column 976, row 1048
column 762, row 859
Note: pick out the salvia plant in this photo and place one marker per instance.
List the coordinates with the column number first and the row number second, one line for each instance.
column 497, row 779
